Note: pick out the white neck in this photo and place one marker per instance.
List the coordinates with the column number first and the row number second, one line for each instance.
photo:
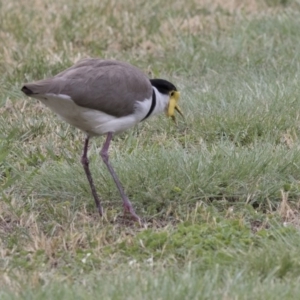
column 142, row 107
column 162, row 101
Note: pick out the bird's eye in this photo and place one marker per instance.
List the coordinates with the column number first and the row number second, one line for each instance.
column 172, row 94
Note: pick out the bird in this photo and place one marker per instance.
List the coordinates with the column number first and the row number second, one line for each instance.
column 105, row 97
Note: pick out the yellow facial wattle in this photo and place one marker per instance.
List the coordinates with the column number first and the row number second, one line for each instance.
column 174, row 97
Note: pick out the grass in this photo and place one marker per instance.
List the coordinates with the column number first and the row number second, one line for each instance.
column 219, row 193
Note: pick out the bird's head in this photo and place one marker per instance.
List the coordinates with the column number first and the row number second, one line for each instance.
column 167, row 88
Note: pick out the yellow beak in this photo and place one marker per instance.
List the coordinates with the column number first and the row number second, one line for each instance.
column 174, row 106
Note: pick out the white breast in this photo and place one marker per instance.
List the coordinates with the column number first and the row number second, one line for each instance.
column 92, row 121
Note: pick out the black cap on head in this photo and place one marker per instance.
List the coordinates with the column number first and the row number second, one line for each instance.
column 163, row 86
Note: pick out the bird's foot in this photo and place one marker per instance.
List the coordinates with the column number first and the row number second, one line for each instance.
column 129, row 209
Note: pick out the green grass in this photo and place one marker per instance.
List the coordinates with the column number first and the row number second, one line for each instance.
column 219, row 193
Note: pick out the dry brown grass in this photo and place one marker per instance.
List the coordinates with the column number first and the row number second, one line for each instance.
column 113, row 25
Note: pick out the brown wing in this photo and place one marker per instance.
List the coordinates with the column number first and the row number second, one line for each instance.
column 106, row 85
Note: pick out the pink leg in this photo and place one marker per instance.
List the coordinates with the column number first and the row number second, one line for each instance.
column 126, row 203
column 85, row 163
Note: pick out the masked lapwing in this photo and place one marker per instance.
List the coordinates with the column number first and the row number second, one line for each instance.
column 105, row 97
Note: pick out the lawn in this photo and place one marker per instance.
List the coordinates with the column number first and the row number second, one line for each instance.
column 218, row 192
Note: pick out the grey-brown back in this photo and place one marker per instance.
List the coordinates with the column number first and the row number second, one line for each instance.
column 109, row 86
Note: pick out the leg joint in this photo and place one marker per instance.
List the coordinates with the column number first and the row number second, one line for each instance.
column 104, row 154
